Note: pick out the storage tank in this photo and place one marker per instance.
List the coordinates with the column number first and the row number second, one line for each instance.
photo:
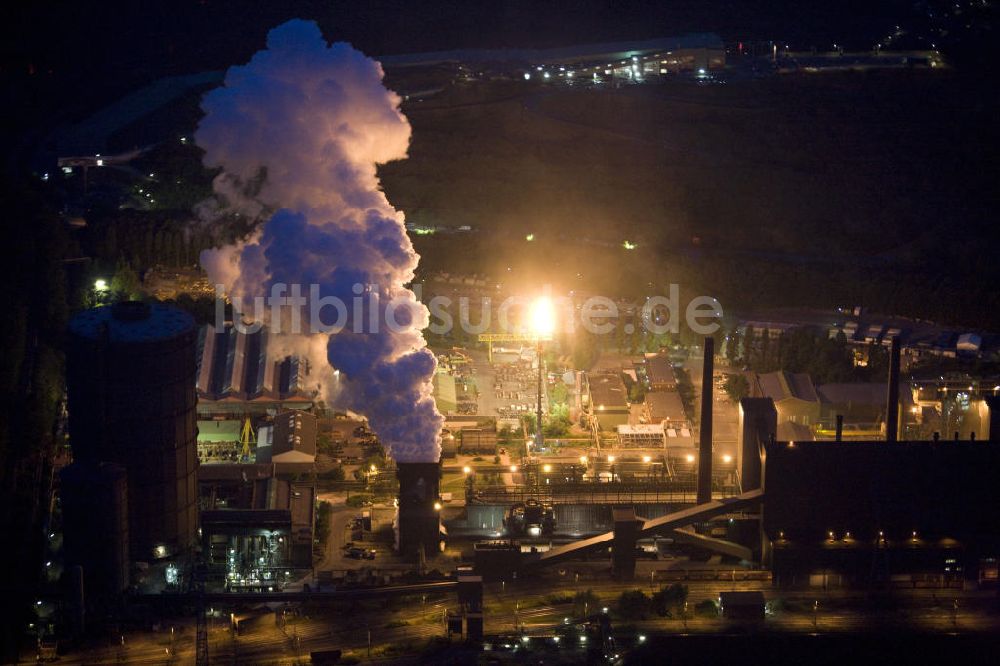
column 95, row 529
column 131, row 387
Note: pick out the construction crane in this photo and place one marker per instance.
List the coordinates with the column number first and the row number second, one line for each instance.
column 247, row 441
column 490, row 338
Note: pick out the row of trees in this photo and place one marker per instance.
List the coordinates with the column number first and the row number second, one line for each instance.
column 668, row 601
column 826, row 359
column 34, row 245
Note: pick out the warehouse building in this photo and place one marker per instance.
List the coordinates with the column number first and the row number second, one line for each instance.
column 665, row 407
column 255, row 523
column 243, row 371
column 608, row 400
column 793, row 394
column 901, row 514
column 660, row 373
column 290, row 439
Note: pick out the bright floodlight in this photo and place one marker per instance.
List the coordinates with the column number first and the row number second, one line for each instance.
column 543, row 318
column 100, row 285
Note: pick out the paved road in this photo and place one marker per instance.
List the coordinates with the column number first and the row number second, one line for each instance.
column 334, row 558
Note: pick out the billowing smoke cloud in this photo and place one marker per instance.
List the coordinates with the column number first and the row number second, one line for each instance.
column 307, row 123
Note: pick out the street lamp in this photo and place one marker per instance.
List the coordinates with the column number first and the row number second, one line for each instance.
column 543, row 325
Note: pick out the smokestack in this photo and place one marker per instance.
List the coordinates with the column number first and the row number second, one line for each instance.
column 840, row 427
column 705, row 443
column 892, row 401
column 758, row 421
column 991, row 422
column 419, row 522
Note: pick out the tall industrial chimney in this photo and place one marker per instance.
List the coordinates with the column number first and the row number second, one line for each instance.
column 758, row 423
column 419, row 523
column 892, row 401
column 705, row 443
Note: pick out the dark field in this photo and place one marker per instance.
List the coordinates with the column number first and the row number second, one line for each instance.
column 872, row 188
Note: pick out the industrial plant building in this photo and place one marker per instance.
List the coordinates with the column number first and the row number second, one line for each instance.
column 863, row 513
column 480, row 441
column 793, row 394
column 666, row 407
column 607, row 400
column 881, row 513
column 660, row 373
column 254, row 523
column 242, row 370
column 291, row 438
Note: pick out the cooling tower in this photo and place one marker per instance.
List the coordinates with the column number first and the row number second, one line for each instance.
column 419, row 523
column 131, row 385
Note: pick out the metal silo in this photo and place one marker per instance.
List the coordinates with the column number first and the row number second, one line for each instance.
column 95, row 528
column 131, row 384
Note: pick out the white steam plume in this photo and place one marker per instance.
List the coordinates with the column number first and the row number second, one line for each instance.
column 315, row 120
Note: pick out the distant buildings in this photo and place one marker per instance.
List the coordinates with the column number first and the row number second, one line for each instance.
column 808, row 412
column 794, row 396
column 862, row 329
column 644, row 58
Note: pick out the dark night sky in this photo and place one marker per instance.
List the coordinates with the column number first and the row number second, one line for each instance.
column 72, row 55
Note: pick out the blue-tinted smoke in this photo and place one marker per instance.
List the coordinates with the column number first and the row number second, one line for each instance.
column 313, row 120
